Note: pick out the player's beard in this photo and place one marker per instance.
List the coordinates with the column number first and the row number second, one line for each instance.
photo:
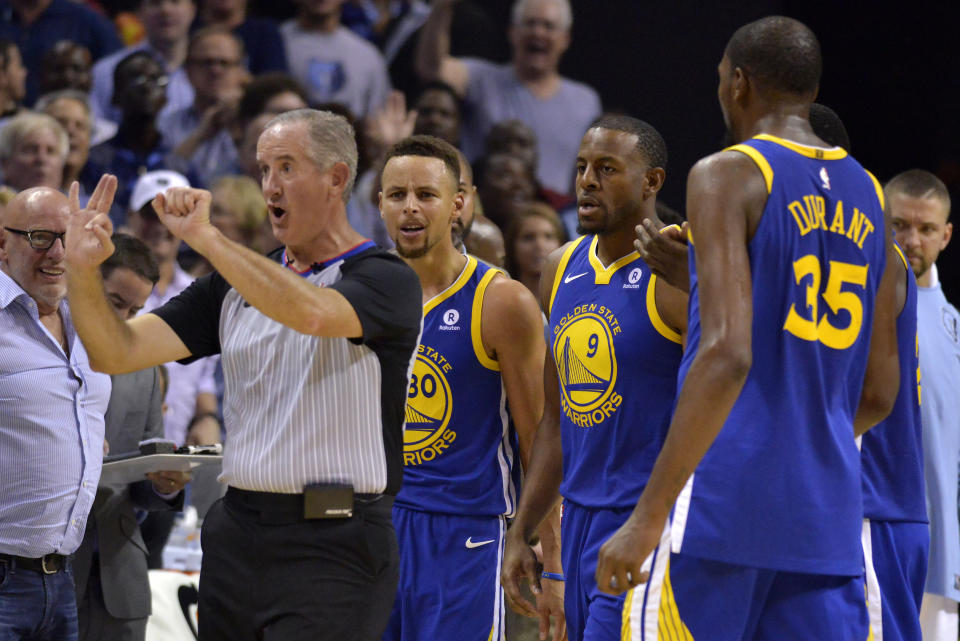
column 923, row 267
column 416, row 252
column 460, row 232
column 610, row 223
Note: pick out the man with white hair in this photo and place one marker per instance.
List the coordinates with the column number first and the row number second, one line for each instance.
column 317, row 341
column 529, row 88
column 33, row 150
column 71, row 108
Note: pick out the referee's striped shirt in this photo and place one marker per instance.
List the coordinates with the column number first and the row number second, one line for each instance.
column 302, row 409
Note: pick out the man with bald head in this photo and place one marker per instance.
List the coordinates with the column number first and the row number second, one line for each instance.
column 51, row 423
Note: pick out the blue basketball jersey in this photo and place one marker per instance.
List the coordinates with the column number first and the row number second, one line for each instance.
column 617, row 364
column 892, row 452
column 458, row 449
column 780, row 486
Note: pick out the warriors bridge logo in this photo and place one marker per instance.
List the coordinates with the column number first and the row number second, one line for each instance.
column 429, row 404
column 587, row 365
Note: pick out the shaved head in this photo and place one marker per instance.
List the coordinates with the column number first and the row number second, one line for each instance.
column 781, row 54
column 40, row 272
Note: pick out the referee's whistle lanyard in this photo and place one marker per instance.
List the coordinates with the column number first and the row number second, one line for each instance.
column 319, row 267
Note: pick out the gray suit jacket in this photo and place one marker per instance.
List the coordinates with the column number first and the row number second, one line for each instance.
column 132, row 415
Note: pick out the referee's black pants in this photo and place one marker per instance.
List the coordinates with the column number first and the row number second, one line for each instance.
column 270, row 575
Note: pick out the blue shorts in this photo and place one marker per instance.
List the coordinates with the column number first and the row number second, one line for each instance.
column 705, row 599
column 591, row 614
column 896, row 568
column 449, row 577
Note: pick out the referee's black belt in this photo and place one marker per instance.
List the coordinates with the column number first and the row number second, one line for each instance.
column 47, row 564
column 273, row 507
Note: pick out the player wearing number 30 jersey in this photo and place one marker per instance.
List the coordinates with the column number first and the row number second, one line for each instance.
column 481, row 350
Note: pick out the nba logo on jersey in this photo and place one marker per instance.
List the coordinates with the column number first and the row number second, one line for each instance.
column 824, row 178
column 450, row 319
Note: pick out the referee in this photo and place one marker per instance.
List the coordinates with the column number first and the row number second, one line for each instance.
column 316, row 342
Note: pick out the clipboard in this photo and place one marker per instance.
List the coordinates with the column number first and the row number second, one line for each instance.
column 131, row 470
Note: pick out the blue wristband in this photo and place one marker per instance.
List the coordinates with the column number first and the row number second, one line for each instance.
column 556, row 576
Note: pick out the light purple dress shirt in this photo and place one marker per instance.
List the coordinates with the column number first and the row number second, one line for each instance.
column 51, row 430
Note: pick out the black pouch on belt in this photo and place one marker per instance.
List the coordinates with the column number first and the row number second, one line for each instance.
column 328, row 501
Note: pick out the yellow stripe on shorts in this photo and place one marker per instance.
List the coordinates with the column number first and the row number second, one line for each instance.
column 625, row 615
column 669, row 623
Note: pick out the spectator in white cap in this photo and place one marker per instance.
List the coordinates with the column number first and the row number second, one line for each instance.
column 192, row 410
column 186, row 421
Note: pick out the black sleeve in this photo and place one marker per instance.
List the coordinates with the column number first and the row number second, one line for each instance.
column 194, row 315
column 384, row 292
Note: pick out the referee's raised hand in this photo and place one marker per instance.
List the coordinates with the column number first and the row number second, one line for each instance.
column 185, row 211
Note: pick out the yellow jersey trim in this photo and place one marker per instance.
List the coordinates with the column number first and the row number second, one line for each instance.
column 561, row 268
column 690, row 236
column 662, row 328
column 759, row 161
column 818, row 153
column 476, row 334
column 604, row 274
column 464, row 276
column 879, row 188
column 902, row 257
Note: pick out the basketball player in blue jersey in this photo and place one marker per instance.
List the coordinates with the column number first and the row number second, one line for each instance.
column 614, row 348
column 895, row 535
column 481, row 351
column 896, row 531
column 791, row 350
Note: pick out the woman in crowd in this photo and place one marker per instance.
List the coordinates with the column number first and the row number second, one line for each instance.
column 532, row 234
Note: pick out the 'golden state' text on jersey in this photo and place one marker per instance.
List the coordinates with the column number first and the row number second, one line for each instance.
column 459, row 453
column 617, row 364
column 780, row 486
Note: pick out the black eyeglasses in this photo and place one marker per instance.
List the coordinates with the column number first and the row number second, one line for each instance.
column 41, row 239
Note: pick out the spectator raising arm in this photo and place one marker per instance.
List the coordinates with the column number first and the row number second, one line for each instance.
column 433, row 61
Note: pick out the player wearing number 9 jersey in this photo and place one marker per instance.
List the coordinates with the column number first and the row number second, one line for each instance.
column 788, row 252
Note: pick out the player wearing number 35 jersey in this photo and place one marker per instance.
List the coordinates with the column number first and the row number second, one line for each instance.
column 788, row 252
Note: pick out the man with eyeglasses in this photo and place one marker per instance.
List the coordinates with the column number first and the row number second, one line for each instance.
column 139, row 146
column 529, row 88
column 51, row 423
column 201, row 135
column 167, row 26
